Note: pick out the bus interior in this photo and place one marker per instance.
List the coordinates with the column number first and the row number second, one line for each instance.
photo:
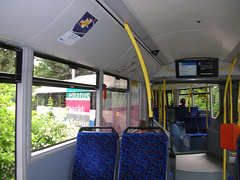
column 104, row 65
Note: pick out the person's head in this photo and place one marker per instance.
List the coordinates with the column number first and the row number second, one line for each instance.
column 142, row 124
column 183, row 101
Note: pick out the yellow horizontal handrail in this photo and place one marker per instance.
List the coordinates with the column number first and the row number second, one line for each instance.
column 226, row 67
column 168, row 69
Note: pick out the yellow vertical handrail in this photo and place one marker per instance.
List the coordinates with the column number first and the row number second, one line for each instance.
column 206, row 106
column 152, row 93
column 230, row 97
column 155, row 98
column 160, row 103
column 189, row 98
column 224, row 114
column 238, row 122
column 164, row 104
column 144, row 69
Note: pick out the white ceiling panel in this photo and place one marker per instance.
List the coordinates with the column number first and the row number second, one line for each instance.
column 39, row 24
column 23, row 20
column 188, row 28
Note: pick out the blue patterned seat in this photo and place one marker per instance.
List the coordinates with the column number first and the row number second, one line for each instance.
column 95, row 156
column 238, row 156
column 180, row 114
column 202, row 124
column 194, row 111
column 143, row 156
column 191, row 125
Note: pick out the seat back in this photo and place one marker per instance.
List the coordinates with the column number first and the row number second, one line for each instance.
column 180, row 113
column 194, row 111
column 191, row 125
column 95, row 155
column 143, row 156
column 155, row 113
column 202, row 124
column 238, row 156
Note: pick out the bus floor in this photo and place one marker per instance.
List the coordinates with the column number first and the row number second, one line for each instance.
column 199, row 167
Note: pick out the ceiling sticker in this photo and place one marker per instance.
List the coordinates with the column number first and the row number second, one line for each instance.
column 79, row 29
column 84, row 24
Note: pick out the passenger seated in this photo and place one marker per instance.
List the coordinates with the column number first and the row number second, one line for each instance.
column 183, row 102
column 142, row 124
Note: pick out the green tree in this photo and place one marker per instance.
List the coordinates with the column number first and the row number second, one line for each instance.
column 51, row 69
column 7, row 131
column 55, row 70
column 7, row 60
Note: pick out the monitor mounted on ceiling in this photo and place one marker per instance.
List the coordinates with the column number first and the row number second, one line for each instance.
column 196, row 68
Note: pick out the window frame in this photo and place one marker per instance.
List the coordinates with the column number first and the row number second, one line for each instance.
column 12, row 77
column 117, row 77
column 60, row 83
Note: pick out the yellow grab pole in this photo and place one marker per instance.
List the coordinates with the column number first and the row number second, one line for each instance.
column 189, row 97
column 152, row 93
column 164, row 104
column 155, row 99
column 231, row 108
column 144, row 69
column 160, row 103
column 238, row 104
column 206, row 106
column 224, row 114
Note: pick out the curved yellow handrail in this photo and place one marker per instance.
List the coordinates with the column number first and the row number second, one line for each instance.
column 168, row 69
column 226, row 67
column 144, row 69
column 224, row 114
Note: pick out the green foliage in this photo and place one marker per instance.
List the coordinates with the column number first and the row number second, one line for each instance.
column 7, row 60
column 46, row 130
column 200, row 99
column 7, row 131
column 51, row 69
column 55, row 70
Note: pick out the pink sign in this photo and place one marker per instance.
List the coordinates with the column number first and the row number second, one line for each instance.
column 78, row 105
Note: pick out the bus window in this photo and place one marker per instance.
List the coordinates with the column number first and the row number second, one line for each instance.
column 63, row 103
column 134, row 103
column 9, row 60
column 115, row 111
column 58, row 113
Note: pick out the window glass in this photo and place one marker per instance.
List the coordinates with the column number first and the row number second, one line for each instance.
column 7, row 60
column 113, row 82
column 134, row 103
column 115, row 111
column 215, row 95
column 7, row 131
column 58, row 113
column 200, row 98
column 44, row 68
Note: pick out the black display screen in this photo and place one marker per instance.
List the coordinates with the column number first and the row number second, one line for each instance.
column 196, row 68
